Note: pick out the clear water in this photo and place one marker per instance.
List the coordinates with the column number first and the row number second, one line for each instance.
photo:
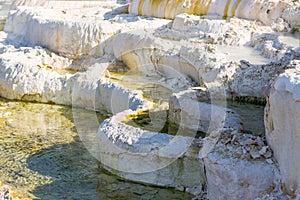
column 238, row 53
column 149, row 85
column 292, row 40
column 42, row 157
column 252, row 115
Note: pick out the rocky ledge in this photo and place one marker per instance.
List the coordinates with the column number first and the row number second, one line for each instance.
column 204, row 52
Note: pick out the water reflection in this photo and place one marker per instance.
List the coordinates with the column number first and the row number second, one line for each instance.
column 42, row 157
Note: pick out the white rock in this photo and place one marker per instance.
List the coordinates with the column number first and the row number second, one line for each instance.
column 292, row 15
column 53, row 4
column 266, row 11
column 186, row 110
column 71, row 32
column 34, row 74
column 230, row 178
column 283, row 129
column 150, row 157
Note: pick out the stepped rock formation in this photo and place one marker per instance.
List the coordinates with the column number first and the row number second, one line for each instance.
column 58, row 53
column 265, row 11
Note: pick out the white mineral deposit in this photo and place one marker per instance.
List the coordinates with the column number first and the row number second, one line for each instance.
column 150, row 99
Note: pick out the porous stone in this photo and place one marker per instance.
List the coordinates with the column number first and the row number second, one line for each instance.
column 186, row 109
column 265, row 11
column 282, row 127
column 35, row 74
column 234, row 174
column 71, row 32
column 150, row 157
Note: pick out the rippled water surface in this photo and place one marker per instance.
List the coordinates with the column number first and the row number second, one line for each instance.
column 42, row 157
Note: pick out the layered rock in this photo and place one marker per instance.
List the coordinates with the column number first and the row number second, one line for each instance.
column 186, row 109
column 35, row 74
column 266, row 11
column 150, row 157
column 147, row 49
column 238, row 165
column 71, row 32
column 282, row 128
column 231, row 163
column 292, row 16
column 59, row 5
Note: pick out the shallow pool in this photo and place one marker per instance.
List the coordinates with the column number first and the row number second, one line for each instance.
column 42, row 157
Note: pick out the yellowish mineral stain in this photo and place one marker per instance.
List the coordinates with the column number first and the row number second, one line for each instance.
column 140, row 9
column 234, row 7
column 201, row 7
column 170, row 8
column 226, row 8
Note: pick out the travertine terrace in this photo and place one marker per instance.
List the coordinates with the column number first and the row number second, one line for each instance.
column 205, row 52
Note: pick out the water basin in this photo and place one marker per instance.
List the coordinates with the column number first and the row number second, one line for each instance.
column 292, row 40
column 42, row 157
column 238, row 53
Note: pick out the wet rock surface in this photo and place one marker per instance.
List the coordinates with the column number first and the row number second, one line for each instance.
column 111, row 187
column 156, row 158
column 41, row 156
column 201, row 59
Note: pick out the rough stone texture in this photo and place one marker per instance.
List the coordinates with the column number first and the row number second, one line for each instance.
column 237, row 179
column 72, row 32
column 202, row 60
column 283, row 129
column 186, row 110
column 234, row 173
column 266, row 11
column 191, row 52
column 59, row 4
column 191, row 27
column 292, row 16
column 238, row 165
column 150, row 157
column 35, row 74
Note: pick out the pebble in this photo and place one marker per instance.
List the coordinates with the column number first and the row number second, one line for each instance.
column 5, row 114
column 4, row 192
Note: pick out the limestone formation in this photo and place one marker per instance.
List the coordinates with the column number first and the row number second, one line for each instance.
column 186, row 110
column 282, row 127
column 150, row 157
column 265, row 11
column 35, row 74
column 71, row 32
column 61, row 52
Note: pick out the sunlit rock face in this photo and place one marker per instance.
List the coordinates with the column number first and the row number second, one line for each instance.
column 71, row 32
column 35, row 74
column 150, row 157
column 283, row 128
column 58, row 4
column 264, row 10
column 292, row 16
column 185, row 109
